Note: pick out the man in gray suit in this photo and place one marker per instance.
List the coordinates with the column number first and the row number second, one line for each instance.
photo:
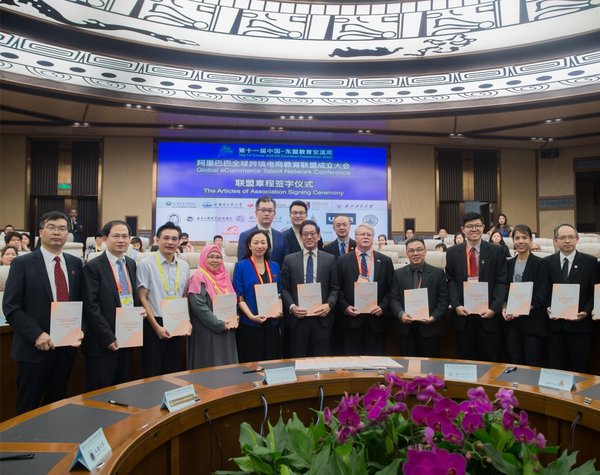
column 309, row 329
column 419, row 337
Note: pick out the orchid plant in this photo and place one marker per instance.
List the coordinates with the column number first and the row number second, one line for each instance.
column 378, row 433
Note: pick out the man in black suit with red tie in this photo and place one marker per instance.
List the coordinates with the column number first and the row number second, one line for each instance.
column 479, row 335
column 569, row 341
column 343, row 244
column 364, row 333
column 419, row 337
column 110, row 282
column 36, row 280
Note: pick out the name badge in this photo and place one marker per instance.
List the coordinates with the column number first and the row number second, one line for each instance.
column 171, row 297
column 286, row 374
column 473, row 279
column 461, row 372
column 92, row 451
column 126, row 300
column 551, row 378
column 179, row 398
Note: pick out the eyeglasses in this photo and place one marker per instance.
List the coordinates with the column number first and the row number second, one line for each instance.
column 309, row 234
column 53, row 229
column 364, row 235
column 119, row 236
column 415, row 251
column 266, row 210
column 471, row 227
column 570, row 237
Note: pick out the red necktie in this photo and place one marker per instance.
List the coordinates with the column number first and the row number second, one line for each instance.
column 473, row 263
column 62, row 291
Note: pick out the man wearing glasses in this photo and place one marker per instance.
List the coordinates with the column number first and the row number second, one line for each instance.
column 298, row 214
column 569, row 340
column 265, row 211
column 36, row 280
column 419, row 335
column 479, row 334
column 364, row 333
column 309, row 328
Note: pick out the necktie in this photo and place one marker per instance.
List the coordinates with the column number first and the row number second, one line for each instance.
column 364, row 270
column 565, row 269
column 417, row 278
column 122, row 277
column 342, row 249
column 62, row 291
column 473, row 263
column 309, row 268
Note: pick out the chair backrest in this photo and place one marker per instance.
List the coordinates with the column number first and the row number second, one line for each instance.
column 592, row 248
column 93, row 255
column 229, row 266
column 143, row 255
column 544, row 241
column 585, row 237
column 392, row 255
column 542, row 254
column 74, row 248
column 400, row 249
column 436, row 259
column 431, row 243
column 231, row 248
column 192, row 258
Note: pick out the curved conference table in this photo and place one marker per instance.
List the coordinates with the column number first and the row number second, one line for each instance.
column 203, row 437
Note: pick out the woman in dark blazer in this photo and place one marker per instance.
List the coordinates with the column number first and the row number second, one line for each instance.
column 525, row 334
column 258, row 337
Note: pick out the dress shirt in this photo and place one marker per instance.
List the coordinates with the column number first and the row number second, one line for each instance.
column 305, row 260
column 369, row 263
column 268, row 230
column 570, row 258
column 346, row 243
column 49, row 262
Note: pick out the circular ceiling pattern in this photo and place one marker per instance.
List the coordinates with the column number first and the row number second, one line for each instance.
column 394, row 56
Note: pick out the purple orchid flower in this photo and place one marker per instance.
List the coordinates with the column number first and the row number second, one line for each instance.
column 375, row 401
column 436, row 462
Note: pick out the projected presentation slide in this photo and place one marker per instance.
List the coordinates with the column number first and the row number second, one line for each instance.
column 211, row 188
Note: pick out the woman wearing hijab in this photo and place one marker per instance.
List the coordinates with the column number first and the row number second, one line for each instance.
column 212, row 342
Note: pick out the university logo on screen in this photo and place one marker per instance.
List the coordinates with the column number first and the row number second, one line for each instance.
column 329, row 217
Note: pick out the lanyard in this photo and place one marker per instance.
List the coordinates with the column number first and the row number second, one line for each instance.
column 119, row 288
column 368, row 267
column 164, row 280
column 268, row 269
column 217, row 288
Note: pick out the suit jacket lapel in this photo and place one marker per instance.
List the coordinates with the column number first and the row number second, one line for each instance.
column 484, row 254
column 43, row 274
column 574, row 267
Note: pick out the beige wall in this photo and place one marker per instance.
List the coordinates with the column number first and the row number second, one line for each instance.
column 13, row 180
column 413, row 186
column 127, row 179
column 518, row 187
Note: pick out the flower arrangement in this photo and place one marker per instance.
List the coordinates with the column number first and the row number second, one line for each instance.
column 377, row 433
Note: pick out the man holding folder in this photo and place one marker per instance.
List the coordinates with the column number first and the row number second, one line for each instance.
column 363, row 329
column 36, row 280
column 309, row 321
column 419, row 320
column 478, row 331
column 110, row 283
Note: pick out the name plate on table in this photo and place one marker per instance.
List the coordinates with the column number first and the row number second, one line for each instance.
column 225, row 307
column 287, row 374
column 595, row 311
column 365, row 296
column 416, row 303
column 565, row 301
column 179, row 398
column 92, row 451
column 461, row 372
column 551, row 378
column 175, row 315
column 309, row 297
column 129, row 327
column 267, row 300
column 519, row 298
column 475, row 297
column 65, row 323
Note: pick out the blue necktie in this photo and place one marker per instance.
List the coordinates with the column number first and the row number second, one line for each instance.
column 364, row 270
column 122, row 277
column 342, row 249
column 309, row 268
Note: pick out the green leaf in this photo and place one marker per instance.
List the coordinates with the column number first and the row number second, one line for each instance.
column 498, row 461
column 320, row 463
column 391, row 469
column 561, row 465
column 262, row 466
column 249, row 437
column 299, row 443
column 245, row 464
column 277, row 437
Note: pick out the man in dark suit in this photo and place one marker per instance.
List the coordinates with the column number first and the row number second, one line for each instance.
column 265, row 211
column 36, row 280
column 419, row 337
column 298, row 214
column 343, row 244
column 310, row 331
column 75, row 228
column 479, row 335
column 569, row 341
column 364, row 333
column 109, row 283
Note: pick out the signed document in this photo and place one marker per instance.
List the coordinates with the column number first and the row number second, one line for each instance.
column 416, row 303
column 565, row 301
column 65, row 323
column 365, row 296
column 476, row 297
column 225, row 307
column 267, row 300
column 129, row 327
column 309, row 297
column 519, row 298
column 176, row 316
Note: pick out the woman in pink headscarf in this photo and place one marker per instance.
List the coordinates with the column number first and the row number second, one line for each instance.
column 212, row 342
